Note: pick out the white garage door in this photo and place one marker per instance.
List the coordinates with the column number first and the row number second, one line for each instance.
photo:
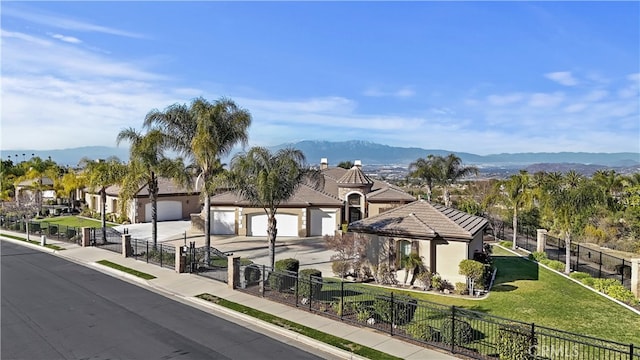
column 223, row 222
column 167, row 210
column 323, row 222
column 287, row 225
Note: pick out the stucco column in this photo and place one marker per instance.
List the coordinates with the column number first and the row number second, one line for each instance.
column 541, row 240
column 86, row 237
column 233, row 271
column 181, row 259
column 635, row 277
column 127, row 250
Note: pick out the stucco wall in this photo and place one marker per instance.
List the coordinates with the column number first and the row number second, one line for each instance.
column 448, row 257
column 190, row 205
column 379, row 208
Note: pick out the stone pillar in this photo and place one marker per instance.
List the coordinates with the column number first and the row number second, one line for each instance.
column 635, row 277
column 86, row 237
column 127, row 249
column 233, row 271
column 541, row 240
column 181, row 259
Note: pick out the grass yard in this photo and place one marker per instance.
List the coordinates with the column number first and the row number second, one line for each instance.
column 74, row 221
column 525, row 292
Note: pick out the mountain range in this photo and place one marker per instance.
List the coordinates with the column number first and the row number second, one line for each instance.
column 369, row 153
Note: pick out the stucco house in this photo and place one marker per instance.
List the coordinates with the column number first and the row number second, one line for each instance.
column 35, row 191
column 348, row 195
column 174, row 202
column 442, row 236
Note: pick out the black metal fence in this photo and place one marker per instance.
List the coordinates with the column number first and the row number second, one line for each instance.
column 217, row 266
column 474, row 334
column 110, row 240
column 38, row 228
column 583, row 258
column 163, row 255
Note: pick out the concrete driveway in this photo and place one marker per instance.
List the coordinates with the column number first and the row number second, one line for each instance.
column 310, row 251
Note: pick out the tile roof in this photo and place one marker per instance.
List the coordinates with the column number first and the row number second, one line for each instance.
column 422, row 219
column 165, row 187
column 303, row 197
column 390, row 193
column 355, row 177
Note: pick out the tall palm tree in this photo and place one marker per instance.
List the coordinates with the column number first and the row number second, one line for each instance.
column 516, row 195
column 450, row 171
column 425, row 170
column 147, row 162
column 268, row 179
column 101, row 174
column 611, row 184
column 570, row 201
column 203, row 132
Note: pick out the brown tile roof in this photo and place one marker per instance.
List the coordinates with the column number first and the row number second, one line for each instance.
column 421, row 219
column 355, row 177
column 305, row 196
column 165, row 187
column 389, row 194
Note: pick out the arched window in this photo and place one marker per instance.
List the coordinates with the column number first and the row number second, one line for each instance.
column 354, row 205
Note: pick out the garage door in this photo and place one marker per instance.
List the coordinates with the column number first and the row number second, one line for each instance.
column 223, row 222
column 323, row 222
column 167, row 210
column 287, row 225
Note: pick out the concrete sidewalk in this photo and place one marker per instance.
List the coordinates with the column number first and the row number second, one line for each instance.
column 184, row 288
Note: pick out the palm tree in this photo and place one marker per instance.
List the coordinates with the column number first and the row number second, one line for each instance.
column 147, row 162
column 101, row 174
column 570, row 201
column 203, row 132
column 450, row 171
column 267, row 180
column 517, row 195
column 411, row 262
column 611, row 184
column 425, row 170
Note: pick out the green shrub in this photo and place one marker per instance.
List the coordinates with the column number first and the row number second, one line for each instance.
column 310, row 283
column 538, row 256
column 403, row 309
column 53, row 229
column 515, row 342
column 577, row 275
column 252, row 274
column 616, row 290
column 588, row 281
column 462, row 289
column 554, row 264
column 284, row 276
column 341, row 267
column 463, row 332
column 423, row 331
column 602, row 284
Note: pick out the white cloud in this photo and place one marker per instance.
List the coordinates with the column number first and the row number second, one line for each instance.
column 403, row 92
column 69, row 39
column 562, row 77
column 545, row 100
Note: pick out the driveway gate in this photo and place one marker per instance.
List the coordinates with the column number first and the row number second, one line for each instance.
column 215, row 269
column 112, row 242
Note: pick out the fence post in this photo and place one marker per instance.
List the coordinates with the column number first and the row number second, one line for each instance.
column 146, row 253
column 577, row 258
column 541, row 240
column 393, row 320
column 635, row 277
column 297, row 281
column 453, row 329
column 533, row 338
column 600, row 265
column 310, row 292
column 264, row 280
column 126, row 245
column 622, row 273
column 341, row 299
column 160, row 255
column 631, row 351
column 86, row 237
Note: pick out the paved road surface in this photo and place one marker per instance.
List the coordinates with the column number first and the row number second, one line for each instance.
column 55, row 309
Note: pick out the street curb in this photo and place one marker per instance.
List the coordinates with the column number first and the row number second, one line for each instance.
column 277, row 329
column 29, row 245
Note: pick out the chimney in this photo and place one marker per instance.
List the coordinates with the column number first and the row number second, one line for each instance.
column 324, row 163
column 358, row 164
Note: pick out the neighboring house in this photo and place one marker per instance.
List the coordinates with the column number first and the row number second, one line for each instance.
column 35, row 191
column 348, row 195
column 442, row 236
column 174, row 202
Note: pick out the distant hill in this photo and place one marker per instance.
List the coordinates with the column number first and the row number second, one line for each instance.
column 371, row 153
column 375, row 154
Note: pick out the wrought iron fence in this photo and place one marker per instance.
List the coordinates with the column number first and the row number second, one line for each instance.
column 64, row 233
column 474, row 334
column 163, row 255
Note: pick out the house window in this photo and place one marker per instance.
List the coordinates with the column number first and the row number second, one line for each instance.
column 404, row 249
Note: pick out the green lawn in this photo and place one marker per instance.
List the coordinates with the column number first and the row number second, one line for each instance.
column 525, row 292
column 74, row 221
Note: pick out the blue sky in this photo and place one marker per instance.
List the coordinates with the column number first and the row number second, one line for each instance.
column 479, row 77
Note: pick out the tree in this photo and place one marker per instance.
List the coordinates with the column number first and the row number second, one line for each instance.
column 203, row 132
column 450, row 171
column 70, row 182
column 268, row 179
column 101, row 174
column 570, row 202
column 426, row 170
column 516, row 195
column 148, row 162
column 345, row 165
column 349, row 252
column 473, row 270
column 411, row 264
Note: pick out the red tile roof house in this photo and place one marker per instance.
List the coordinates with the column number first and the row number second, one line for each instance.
column 347, row 196
column 174, row 202
column 442, row 236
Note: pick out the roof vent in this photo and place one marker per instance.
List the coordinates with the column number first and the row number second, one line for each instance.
column 324, row 163
column 357, row 163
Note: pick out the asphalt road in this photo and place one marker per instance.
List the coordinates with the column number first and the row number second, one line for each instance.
column 56, row 309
